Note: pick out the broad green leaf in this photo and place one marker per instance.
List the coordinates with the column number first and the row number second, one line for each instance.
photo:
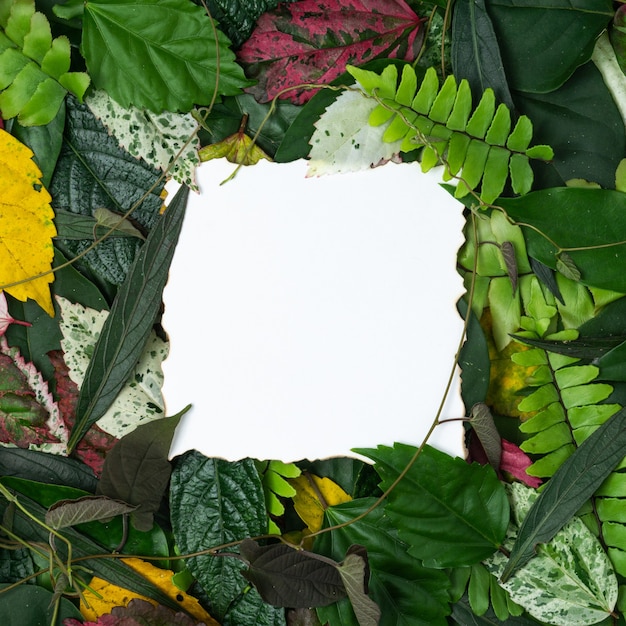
column 405, row 590
column 581, row 123
column 450, row 513
column 139, row 399
column 213, row 502
column 612, row 364
column 576, row 218
column 344, row 141
column 570, row 582
column 93, row 172
column 158, row 54
column 31, row 604
column 573, row 483
column 132, row 316
column 137, row 469
column 166, row 141
column 476, row 51
column 557, row 38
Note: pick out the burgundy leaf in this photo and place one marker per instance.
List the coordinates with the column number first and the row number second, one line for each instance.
column 94, row 446
column 312, row 41
column 516, row 462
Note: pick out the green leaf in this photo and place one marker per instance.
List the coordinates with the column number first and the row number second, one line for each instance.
column 576, row 218
column 572, row 484
column 86, row 509
column 405, row 590
column 557, row 37
column 287, row 577
column 93, row 172
column 582, row 124
column 486, row 431
column 440, row 506
column 462, row 614
column 355, row 573
column 613, row 364
column 570, row 582
column 31, row 604
column 158, row 54
column 132, row 316
column 476, row 51
column 213, row 502
column 137, row 469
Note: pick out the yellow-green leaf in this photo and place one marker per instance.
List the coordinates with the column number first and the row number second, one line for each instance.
column 26, row 226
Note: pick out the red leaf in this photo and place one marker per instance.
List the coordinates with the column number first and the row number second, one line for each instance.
column 516, row 462
column 94, row 446
column 312, row 41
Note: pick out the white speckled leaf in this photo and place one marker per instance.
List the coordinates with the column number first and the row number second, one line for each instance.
column 141, row 399
column 344, row 141
column 570, row 582
column 155, row 137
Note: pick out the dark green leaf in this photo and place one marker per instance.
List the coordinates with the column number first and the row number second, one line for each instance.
column 613, row 364
column 44, row 141
column 542, row 44
column 609, row 321
column 581, row 123
column 405, row 590
column 86, row 509
column 15, row 565
column 46, row 468
column 249, row 608
column 574, row 218
column 287, row 577
column 510, row 262
column 476, row 51
column 109, row 535
column 112, row 570
column 474, row 362
column 213, row 502
column 570, row 487
column 486, row 431
column 132, row 316
column 93, row 172
column 137, row 470
column 450, row 513
column 547, row 277
column 462, row 614
column 30, row 604
column 158, row 54
column 587, row 348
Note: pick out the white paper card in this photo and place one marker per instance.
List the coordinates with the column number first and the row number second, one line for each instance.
column 311, row 316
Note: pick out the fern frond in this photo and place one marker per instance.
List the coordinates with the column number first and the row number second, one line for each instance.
column 34, row 68
column 478, row 146
column 273, row 474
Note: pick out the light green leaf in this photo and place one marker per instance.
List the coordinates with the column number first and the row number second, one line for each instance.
column 344, row 141
column 570, row 582
column 140, row 400
column 158, row 139
column 158, row 54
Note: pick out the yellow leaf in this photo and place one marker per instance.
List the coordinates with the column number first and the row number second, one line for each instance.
column 314, row 495
column 112, row 595
column 26, row 226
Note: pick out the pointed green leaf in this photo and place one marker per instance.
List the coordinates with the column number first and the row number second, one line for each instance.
column 500, row 126
column 132, row 316
column 473, row 167
column 574, row 483
column 408, row 86
column 496, row 174
column 158, row 54
column 483, row 115
column 427, row 92
column 521, row 136
column 436, row 508
column 443, row 103
column 521, row 174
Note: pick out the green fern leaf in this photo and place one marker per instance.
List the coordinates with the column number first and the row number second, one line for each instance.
column 476, row 147
column 34, row 68
column 273, row 475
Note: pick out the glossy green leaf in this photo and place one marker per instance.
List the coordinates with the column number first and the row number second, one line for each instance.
column 557, row 38
column 158, row 54
column 574, row 483
column 436, row 508
column 106, row 176
column 132, row 316
column 213, row 502
column 33, row 605
column 137, row 469
column 576, row 218
column 476, row 51
column 403, row 588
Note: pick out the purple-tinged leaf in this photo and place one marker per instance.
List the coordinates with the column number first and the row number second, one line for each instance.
column 510, row 262
column 87, row 509
column 486, row 431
